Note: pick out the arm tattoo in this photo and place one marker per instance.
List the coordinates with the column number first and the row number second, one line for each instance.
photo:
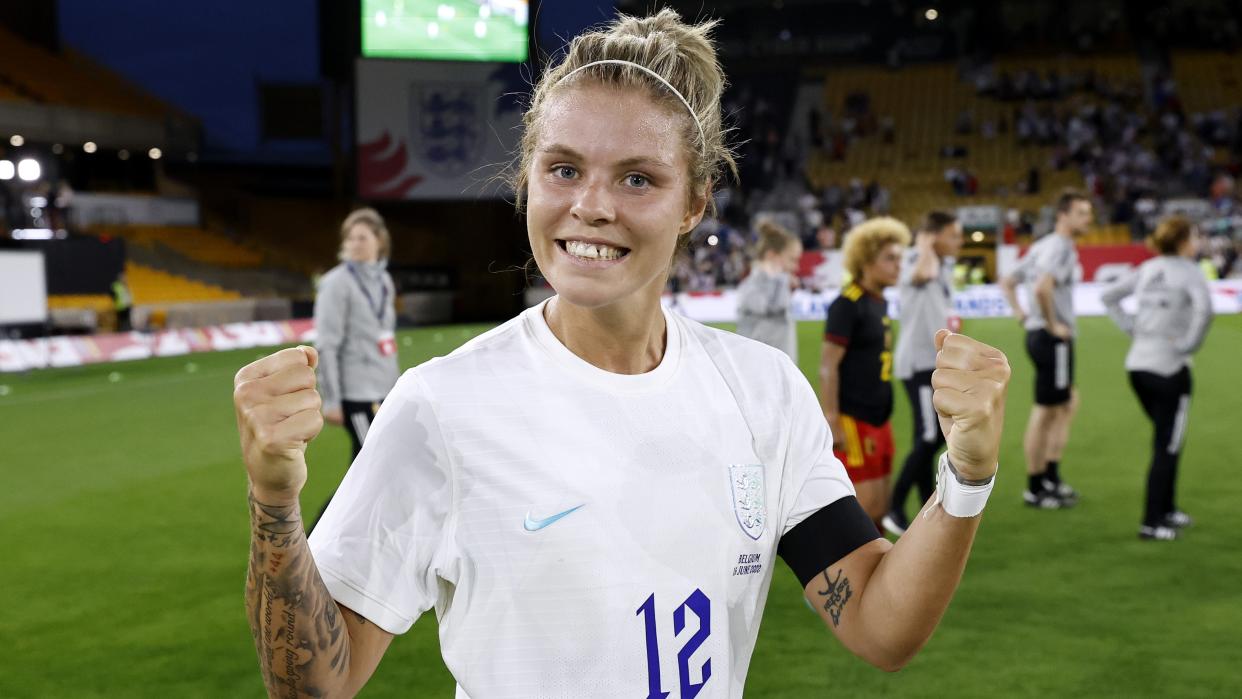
column 298, row 630
column 836, row 595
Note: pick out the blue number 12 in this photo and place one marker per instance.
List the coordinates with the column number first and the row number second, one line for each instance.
column 698, row 603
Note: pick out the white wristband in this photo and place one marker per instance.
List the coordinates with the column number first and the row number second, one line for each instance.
column 956, row 498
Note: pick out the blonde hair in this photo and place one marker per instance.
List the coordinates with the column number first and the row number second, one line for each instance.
column 1170, row 234
column 773, row 237
column 683, row 54
column 371, row 219
column 865, row 241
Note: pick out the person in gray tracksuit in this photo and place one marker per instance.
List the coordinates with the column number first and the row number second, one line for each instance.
column 763, row 297
column 926, row 305
column 1050, row 267
column 1174, row 310
column 355, row 323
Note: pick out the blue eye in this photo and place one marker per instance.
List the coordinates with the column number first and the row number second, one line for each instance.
column 564, row 172
column 636, row 180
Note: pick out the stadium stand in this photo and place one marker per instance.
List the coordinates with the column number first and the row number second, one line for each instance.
column 923, row 104
column 194, row 243
column 36, row 74
column 1208, row 80
column 148, row 285
column 151, row 285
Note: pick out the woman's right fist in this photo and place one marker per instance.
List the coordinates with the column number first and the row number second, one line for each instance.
column 278, row 414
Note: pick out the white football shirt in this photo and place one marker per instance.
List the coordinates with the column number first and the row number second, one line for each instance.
column 579, row 532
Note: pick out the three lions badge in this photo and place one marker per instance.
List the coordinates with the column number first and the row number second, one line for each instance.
column 746, row 481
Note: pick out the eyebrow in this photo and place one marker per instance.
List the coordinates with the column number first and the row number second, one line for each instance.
column 638, row 160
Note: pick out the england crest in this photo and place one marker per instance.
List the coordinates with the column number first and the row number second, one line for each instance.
column 450, row 120
column 746, row 482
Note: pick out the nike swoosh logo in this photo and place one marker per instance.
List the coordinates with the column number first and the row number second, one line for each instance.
column 534, row 525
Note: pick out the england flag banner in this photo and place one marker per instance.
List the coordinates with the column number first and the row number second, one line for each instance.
column 436, row 129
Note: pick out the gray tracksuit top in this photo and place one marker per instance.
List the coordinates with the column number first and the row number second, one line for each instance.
column 763, row 311
column 925, row 308
column 1174, row 311
column 1056, row 255
column 348, row 330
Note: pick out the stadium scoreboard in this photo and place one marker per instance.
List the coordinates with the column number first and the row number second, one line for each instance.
column 446, row 30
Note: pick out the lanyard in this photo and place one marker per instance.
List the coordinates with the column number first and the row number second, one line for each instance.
column 383, row 301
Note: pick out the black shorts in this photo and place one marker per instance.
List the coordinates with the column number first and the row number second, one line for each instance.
column 1054, row 366
column 358, row 418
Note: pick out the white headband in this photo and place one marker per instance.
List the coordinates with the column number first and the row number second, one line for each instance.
column 653, row 74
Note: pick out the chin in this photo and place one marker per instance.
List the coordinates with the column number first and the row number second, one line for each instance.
column 585, row 293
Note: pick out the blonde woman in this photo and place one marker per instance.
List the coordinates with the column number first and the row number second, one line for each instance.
column 763, row 297
column 355, row 322
column 592, row 495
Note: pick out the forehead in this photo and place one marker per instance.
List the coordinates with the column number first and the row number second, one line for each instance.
column 609, row 124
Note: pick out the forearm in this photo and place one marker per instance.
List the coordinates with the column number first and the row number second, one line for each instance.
column 1043, row 296
column 926, row 268
column 1200, row 320
column 1124, row 320
column 830, row 391
column 1009, row 289
column 910, row 589
column 298, row 630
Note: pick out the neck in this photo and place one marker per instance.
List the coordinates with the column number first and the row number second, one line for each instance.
column 772, row 267
column 629, row 340
column 871, row 287
column 1059, row 230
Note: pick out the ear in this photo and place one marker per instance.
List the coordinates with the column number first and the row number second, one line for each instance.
column 694, row 212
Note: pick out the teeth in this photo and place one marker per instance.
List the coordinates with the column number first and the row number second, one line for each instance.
column 590, row 251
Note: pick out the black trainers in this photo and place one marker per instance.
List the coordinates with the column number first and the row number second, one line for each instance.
column 1044, row 500
column 1177, row 520
column 1068, row 496
column 895, row 522
column 1157, row 533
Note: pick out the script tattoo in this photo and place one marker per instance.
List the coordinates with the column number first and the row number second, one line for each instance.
column 298, row 631
column 836, row 595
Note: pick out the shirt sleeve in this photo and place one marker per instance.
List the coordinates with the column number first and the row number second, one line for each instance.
column 1112, row 296
column 1200, row 314
column 380, row 543
column 1022, row 269
column 331, row 306
column 1056, row 259
column 814, row 477
column 842, row 317
column 760, row 295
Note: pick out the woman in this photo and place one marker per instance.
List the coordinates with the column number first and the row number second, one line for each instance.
column 763, row 312
column 856, row 390
column 355, row 319
column 591, row 494
column 1174, row 310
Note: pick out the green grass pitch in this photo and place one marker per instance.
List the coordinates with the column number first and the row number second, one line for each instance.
column 124, row 546
column 415, row 29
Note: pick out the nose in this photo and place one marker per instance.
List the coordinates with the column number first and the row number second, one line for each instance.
column 593, row 204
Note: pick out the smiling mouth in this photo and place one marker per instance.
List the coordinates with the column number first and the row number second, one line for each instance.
column 592, row 251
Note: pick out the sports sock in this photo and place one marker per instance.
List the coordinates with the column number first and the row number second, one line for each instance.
column 1053, row 473
column 1035, row 483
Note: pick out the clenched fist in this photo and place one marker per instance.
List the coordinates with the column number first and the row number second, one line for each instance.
column 278, row 413
column 969, row 385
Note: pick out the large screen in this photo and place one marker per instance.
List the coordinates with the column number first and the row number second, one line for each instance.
column 447, row 30
column 23, row 287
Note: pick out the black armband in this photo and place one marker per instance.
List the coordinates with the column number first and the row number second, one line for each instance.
column 826, row 537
